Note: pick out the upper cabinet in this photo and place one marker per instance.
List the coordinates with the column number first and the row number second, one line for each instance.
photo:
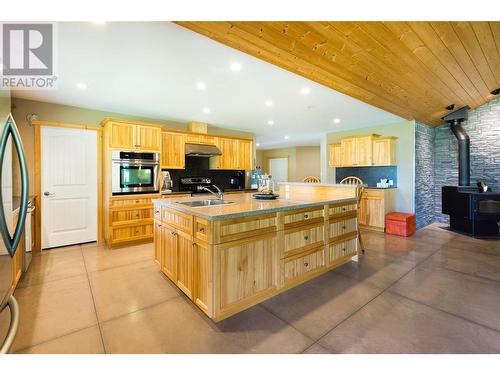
column 360, row 151
column 384, row 151
column 130, row 136
column 173, row 150
column 237, row 154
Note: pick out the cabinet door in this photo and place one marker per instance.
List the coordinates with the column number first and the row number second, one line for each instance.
column 335, row 157
column 169, row 252
column 362, row 211
column 246, row 269
column 185, row 263
column 148, row 138
column 384, row 152
column 173, row 150
column 348, row 152
column 122, row 135
column 157, row 242
column 375, row 214
column 245, row 154
column 203, row 277
column 363, row 150
column 229, row 157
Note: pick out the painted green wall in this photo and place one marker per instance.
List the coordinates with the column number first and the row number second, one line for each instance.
column 405, row 154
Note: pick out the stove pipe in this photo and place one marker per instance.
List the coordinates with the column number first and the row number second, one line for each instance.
column 455, row 119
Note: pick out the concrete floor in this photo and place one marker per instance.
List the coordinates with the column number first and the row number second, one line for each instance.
column 435, row 292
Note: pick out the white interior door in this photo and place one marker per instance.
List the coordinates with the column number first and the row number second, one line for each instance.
column 69, row 186
column 278, row 169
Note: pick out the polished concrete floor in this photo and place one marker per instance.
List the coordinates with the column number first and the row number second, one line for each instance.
column 435, row 292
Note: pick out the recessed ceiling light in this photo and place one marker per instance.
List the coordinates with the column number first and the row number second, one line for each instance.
column 257, row 144
column 270, row 122
column 268, row 103
column 81, row 85
column 305, row 90
column 286, row 137
column 206, row 110
column 201, row 85
column 235, row 66
column 336, row 120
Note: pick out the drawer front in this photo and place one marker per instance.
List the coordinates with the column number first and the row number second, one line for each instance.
column 178, row 220
column 373, row 193
column 299, row 268
column 202, row 230
column 244, row 227
column 339, row 250
column 200, row 139
column 303, row 216
column 341, row 209
column 122, row 216
column 131, row 233
column 302, row 239
column 119, row 202
column 343, row 227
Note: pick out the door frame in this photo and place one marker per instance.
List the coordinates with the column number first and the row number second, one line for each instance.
column 38, row 176
column 287, row 157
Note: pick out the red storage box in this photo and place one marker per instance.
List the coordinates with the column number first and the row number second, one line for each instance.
column 400, row 224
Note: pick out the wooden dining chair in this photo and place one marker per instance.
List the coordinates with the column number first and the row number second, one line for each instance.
column 311, row 179
column 353, row 180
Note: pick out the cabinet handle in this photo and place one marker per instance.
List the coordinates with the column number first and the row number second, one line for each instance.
column 157, row 211
column 173, row 233
column 306, row 216
column 306, row 238
column 343, row 249
column 343, row 227
column 137, row 201
column 306, row 264
column 202, row 230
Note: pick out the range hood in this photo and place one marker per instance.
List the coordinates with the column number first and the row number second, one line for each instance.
column 202, row 150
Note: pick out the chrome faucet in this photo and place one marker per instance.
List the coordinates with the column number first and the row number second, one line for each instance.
column 219, row 194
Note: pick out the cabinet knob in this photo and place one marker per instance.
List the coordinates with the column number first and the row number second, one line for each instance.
column 306, row 216
column 306, row 238
column 137, row 201
column 157, row 211
column 343, row 249
column 343, row 227
column 173, row 233
column 343, row 208
column 306, row 264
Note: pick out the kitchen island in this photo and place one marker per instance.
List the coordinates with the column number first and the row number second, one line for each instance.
column 229, row 257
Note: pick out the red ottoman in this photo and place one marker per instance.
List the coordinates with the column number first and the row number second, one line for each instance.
column 400, row 224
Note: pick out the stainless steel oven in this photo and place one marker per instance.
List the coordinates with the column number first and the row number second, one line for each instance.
column 135, row 172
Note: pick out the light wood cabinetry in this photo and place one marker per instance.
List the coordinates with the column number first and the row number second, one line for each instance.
column 129, row 136
column 384, row 151
column 226, row 266
column 201, row 139
column 173, row 150
column 366, row 150
column 245, row 154
column 374, row 205
column 335, row 156
column 237, row 154
column 130, row 218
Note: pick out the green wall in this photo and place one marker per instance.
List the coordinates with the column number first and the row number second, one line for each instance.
column 405, row 131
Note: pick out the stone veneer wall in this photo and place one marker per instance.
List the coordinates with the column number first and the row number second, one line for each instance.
column 483, row 127
column 436, row 159
column 424, row 174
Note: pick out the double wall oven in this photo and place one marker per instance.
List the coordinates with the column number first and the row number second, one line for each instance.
column 135, row 172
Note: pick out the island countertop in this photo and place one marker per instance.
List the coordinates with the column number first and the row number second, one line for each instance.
column 244, row 205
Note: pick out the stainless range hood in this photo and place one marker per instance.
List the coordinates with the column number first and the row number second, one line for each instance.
column 202, row 150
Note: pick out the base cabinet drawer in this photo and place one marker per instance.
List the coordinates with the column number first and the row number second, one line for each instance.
column 127, row 215
column 131, row 233
column 302, row 217
column 303, row 238
column 339, row 250
column 340, row 228
column 296, row 269
column 341, row 209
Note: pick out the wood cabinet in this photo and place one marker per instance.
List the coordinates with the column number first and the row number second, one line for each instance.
column 384, row 151
column 173, row 150
column 130, row 218
column 335, row 155
column 237, row 154
column 226, row 266
column 366, row 150
column 374, row 205
column 201, row 139
column 129, row 136
column 157, row 242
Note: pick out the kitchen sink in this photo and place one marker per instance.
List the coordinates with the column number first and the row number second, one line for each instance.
column 205, row 203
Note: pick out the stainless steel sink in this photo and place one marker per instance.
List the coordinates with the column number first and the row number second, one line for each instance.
column 205, row 203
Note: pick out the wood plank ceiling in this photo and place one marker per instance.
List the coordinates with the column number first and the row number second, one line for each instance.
column 412, row 69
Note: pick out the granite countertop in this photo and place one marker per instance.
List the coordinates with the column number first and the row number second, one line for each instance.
column 243, row 205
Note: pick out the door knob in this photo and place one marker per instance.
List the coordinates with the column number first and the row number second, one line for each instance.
column 48, row 194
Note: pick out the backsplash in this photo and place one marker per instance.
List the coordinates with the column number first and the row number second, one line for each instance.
column 369, row 175
column 199, row 167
